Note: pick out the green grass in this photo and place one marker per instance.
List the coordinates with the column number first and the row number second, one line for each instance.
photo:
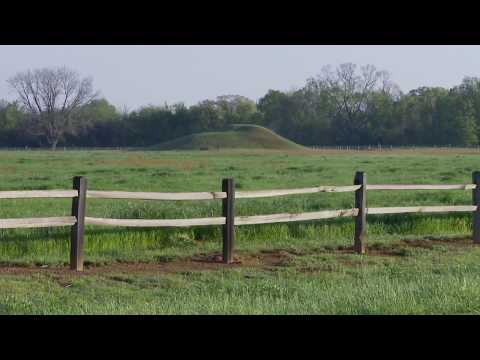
column 238, row 137
column 316, row 277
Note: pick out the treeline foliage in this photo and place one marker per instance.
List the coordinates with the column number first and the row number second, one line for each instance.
column 348, row 105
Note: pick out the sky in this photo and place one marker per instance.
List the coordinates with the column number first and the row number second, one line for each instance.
column 132, row 76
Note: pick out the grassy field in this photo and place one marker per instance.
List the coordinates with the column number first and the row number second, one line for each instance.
column 416, row 264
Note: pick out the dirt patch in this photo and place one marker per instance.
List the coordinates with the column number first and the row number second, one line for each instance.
column 430, row 243
column 319, row 268
column 349, row 262
column 264, row 259
column 401, row 248
column 201, row 262
column 275, row 257
column 7, row 170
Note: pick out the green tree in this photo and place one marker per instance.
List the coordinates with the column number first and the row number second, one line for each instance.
column 235, row 109
column 455, row 122
column 205, row 116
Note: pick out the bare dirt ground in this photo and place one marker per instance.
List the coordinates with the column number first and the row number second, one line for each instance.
column 264, row 259
column 201, row 262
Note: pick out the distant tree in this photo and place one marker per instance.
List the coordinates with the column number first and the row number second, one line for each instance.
column 350, row 91
column 454, row 120
column 420, row 110
column 97, row 110
column 383, row 125
column 10, row 115
column 347, row 105
column 275, row 107
column 97, row 124
column 12, row 125
column 221, row 112
column 235, row 108
column 205, row 116
column 52, row 97
column 470, row 89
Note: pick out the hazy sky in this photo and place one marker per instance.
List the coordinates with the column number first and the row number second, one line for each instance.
column 133, row 76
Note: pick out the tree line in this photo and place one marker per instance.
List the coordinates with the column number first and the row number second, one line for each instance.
column 346, row 105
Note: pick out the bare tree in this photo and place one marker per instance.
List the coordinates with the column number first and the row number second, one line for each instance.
column 350, row 89
column 52, row 97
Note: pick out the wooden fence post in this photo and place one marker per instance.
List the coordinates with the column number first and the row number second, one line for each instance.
column 361, row 218
column 78, row 229
column 228, row 211
column 476, row 202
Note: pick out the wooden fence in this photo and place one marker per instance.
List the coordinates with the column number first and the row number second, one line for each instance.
column 228, row 220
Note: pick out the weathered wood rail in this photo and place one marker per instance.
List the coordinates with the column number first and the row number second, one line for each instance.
column 79, row 194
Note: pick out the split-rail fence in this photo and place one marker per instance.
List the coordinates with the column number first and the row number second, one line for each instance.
column 228, row 220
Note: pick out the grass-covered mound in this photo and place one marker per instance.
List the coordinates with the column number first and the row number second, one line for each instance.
column 236, row 137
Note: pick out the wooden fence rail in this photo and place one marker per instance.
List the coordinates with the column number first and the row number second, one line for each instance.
column 37, row 222
column 79, row 194
column 38, row 194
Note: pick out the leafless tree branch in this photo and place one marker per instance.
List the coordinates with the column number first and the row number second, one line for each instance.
column 51, row 96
